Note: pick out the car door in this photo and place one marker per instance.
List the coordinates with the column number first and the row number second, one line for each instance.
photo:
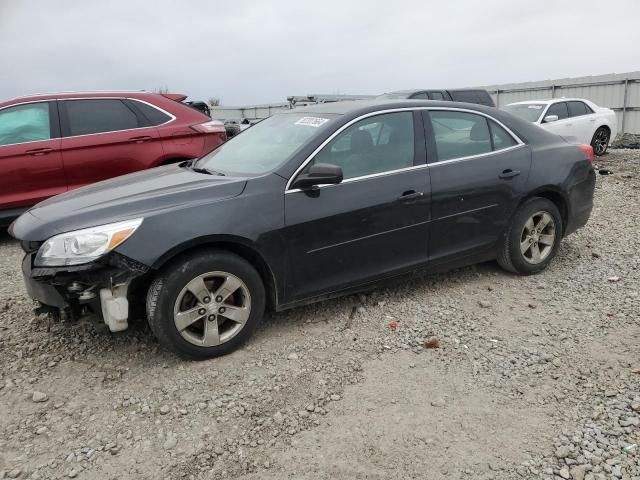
column 478, row 171
column 583, row 119
column 30, row 160
column 375, row 222
column 564, row 126
column 104, row 138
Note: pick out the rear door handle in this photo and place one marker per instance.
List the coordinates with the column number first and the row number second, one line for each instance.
column 39, row 151
column 410, row 196
column 508, row 173
column 142, row 139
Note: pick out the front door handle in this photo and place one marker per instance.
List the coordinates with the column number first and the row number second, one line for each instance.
column 142, row 139
column 39, row 151
column 508, row 173
column 410, row 196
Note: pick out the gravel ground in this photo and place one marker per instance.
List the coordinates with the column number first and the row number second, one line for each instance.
column 534, row 377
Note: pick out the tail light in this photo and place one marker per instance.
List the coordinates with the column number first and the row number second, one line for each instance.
column 588, row 151
column 213, row 126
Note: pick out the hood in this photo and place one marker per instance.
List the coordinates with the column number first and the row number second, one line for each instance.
column 140, row 194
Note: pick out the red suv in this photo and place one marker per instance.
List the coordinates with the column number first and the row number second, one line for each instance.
column 53, row 143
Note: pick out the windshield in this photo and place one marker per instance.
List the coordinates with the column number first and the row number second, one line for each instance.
column 527, row 111
column 265, row 146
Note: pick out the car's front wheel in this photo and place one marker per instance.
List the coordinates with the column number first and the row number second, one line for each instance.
column 600, row 141
column 533, row 238
column 206, row 304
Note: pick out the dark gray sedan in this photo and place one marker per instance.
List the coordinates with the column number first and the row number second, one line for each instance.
column 306, row 205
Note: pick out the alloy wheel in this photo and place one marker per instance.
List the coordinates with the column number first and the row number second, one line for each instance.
column 538, row 237
column 212, row 309
column 601, row 141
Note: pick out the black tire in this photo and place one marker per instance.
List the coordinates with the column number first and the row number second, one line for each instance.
column 510, row 256
column 167, row 286
column 600, row 141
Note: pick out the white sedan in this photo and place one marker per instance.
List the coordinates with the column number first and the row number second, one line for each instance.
column 581, row 120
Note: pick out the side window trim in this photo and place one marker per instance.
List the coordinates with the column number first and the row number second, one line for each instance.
column 431, row 156
column 418, row 149
column 64, row 119
column 432, row 152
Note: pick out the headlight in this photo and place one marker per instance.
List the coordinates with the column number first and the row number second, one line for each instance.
column 83, row 246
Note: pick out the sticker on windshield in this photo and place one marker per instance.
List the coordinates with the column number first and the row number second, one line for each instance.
column 312, row 121
column 535, row 107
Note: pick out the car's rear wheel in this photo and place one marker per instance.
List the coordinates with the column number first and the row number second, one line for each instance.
column 533, row 238
column 205, row 305
column 600, row 141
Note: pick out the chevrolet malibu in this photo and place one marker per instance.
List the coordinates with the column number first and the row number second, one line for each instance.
column 304, row 206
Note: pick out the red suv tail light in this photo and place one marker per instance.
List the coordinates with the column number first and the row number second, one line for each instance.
column 588, row 151
column 213, row 126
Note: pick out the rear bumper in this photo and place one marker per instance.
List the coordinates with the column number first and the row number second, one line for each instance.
column 581, row 203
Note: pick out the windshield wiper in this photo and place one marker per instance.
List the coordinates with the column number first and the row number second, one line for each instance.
column 191, row 166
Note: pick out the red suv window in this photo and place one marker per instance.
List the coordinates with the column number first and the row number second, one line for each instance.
column 25, row 123
column 99, row 115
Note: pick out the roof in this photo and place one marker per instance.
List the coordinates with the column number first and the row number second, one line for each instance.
column 360, row 107
column 547, row 101
column 364, row 106
column 92, row 94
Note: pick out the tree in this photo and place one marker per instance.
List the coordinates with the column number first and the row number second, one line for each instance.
column 214, row 102
column 164, row 89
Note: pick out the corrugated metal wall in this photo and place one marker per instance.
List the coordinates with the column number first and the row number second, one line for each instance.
column 620, row 92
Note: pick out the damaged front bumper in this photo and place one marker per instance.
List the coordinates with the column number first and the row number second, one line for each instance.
column 101, row 287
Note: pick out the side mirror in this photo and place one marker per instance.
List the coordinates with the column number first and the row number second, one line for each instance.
column 319, row 174
column 550, row 118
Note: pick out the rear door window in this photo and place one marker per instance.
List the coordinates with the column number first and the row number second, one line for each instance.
column 500, row 137
column 25, row 123
column 89, row 116
column 559, row 109
column 459, row 134
column 577, row 109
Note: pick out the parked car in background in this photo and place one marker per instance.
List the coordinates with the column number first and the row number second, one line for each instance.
column 234, row 126
column 306, row 205
column 200, row 106
column 468, row 95
column 573, row 118
column 52, row 143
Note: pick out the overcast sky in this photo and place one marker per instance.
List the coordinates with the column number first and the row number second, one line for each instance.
column 247, row 52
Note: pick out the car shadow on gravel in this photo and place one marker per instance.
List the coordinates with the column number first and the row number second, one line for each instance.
column 5, row 238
